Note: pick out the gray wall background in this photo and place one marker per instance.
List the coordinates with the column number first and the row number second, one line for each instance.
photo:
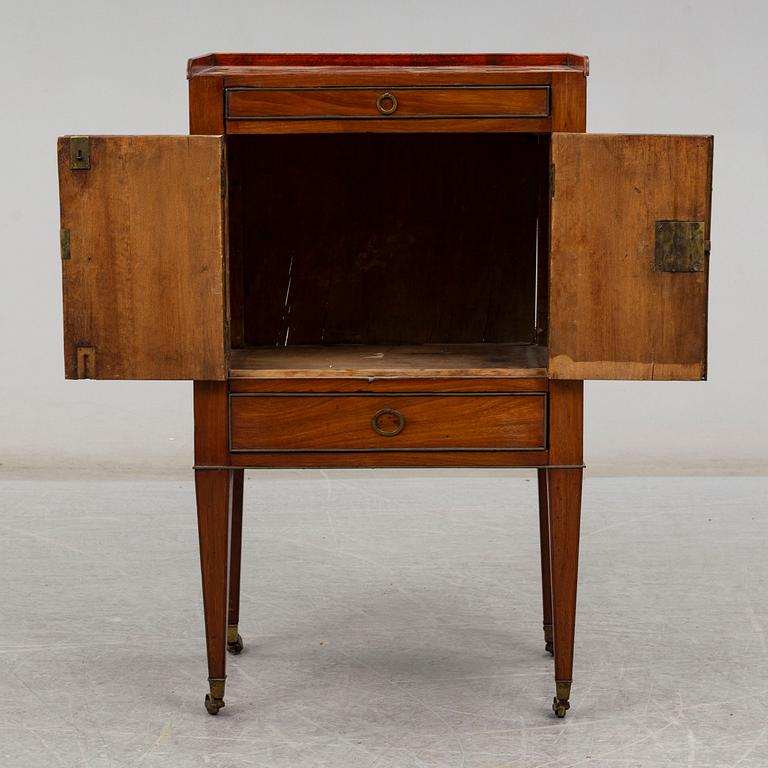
column 111, row 68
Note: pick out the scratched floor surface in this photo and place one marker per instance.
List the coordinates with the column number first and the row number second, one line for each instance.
column 390, row 620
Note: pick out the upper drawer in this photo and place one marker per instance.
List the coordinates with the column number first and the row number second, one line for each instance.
column 397, row 103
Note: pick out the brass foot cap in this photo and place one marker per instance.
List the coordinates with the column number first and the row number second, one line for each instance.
column 560, row 704
column 549, row 639
column 213, row 705
column 214, row 700
column 234, row 641
column 235, row 646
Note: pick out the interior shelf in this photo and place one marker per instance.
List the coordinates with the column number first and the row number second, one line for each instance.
column 362, row 361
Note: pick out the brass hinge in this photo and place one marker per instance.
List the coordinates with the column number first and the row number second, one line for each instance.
column 64, row 240
column 79, row 152
column 552, row 180
column 680, row 246
column 86, row 362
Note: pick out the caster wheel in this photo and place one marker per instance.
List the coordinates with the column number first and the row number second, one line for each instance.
column 550, row 648
column 236, row 647
column 213, row 705
column 560, row 706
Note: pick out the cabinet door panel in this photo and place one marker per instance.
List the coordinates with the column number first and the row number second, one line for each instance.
column 616, row 311
column 143, row 274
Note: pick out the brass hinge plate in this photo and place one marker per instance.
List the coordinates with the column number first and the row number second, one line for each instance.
column 79, row 152
column 680, row 246
column 86, row 362
column 65, row 247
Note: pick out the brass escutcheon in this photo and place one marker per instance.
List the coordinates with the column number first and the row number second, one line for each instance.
column 383, row 99
column 380, row 430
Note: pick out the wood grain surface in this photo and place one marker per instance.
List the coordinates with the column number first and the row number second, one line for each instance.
column 236, row 546
column 611, row 315
column 396, row 383
column 563, row 498
column 379, row 459
column 546, row 576
column 211, row 410
column 425, row 360
column 428, row 422
column 213, row 493
column 405, row 103
column 357, row 63
column 144, row 284
column 566, row 421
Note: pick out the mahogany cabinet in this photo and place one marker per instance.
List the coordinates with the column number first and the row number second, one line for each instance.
column 386, row 260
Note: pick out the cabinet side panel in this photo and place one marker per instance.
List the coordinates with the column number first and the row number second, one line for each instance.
column 143, row 283
column 569, row 102
column 569, row 113
column 206, row 117
column 614, row 313
column 206, row 106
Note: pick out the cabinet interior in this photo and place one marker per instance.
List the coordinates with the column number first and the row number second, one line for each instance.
column 355, row 254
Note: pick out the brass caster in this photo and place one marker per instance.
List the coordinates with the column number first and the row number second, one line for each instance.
column 214, row 700
column 549, row 639
column 213, row 705
column 234, row 641
column 236, row 648
column 560, row 704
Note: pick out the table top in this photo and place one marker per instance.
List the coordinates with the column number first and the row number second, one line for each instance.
column 223, row 64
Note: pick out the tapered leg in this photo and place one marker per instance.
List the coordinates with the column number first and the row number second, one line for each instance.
column 214, row 514
column 234, row 641
column 546, row 588
column 566, row 430
column 564, row 497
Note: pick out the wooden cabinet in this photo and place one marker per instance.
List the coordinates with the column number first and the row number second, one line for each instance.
column 368, row 261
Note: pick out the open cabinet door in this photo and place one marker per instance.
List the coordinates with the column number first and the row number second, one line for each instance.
column 143, row 256
column 629, row 256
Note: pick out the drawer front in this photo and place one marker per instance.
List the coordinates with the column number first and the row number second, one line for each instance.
column 404, row 103
column 392, row 422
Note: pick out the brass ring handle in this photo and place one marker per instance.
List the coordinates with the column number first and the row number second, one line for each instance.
column 388, row 431
column 381, row 103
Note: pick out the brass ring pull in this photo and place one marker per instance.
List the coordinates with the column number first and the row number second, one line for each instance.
column 386, row 103
column 388, row 422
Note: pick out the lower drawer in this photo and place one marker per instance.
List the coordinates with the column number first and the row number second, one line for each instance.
column 387, row 422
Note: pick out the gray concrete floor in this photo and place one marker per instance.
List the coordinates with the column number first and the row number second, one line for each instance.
column 390, row 619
